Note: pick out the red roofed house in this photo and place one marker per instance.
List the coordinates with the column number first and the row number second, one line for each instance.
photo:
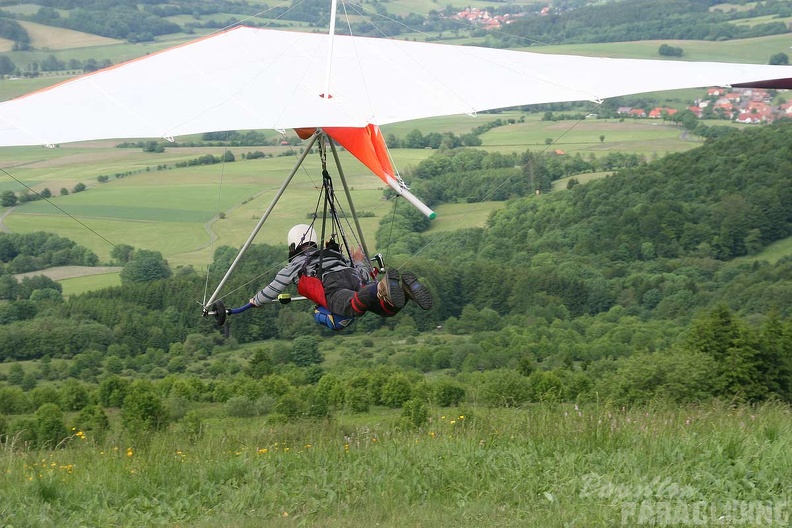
column 657, row 113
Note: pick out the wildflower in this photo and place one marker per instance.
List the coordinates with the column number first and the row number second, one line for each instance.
column 285, row 514
column 130, row 452
column 262, row 451
column 307, row 446
column 431, row 433
column 452, row 422
column 442, row 417
column 461, row 416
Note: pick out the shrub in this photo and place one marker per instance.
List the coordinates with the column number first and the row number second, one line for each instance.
column 143, row 410
column 240, row 407
column 447, row 392
column 504, row 388
column 50, row 429
column 414, row 413
column 396, row 391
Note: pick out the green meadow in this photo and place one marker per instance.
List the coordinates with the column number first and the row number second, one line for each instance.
column 541, row 466
column 175, row 211
column 756, row 50
column 78, row 285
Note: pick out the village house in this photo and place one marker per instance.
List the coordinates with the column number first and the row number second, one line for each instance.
column 657, row 113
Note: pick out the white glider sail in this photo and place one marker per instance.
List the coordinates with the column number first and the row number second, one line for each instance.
column 248, row 78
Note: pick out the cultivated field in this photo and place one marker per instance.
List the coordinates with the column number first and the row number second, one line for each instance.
column 54, row 38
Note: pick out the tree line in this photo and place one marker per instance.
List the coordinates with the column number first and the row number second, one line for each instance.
column 25, row 252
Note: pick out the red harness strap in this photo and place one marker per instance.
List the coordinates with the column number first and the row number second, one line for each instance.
column 313, row 289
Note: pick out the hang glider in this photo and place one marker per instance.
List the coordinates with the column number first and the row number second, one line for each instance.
column 248, row 78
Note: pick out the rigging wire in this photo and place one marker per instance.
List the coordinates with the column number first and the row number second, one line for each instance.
column 216, row 217
column 59, row 208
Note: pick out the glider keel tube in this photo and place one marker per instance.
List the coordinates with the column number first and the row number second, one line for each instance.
column 410, row 197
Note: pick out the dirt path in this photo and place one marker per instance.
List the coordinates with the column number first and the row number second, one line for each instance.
column 70, row 272
column 6, row 212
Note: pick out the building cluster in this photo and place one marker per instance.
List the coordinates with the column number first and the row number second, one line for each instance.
column 742, row 105
column 483, row 19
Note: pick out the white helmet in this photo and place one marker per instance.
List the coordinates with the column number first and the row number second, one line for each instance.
column 301, row 234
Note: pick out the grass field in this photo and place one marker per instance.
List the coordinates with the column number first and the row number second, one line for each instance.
column 543, row 466
column 755, row 50
column 77, row 285
column 170, row 211
column 55, row 38
column 772, row 253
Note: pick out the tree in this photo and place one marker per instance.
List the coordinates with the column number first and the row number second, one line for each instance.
column 305, row 351
column 80, row 187
column 779, row 59
column 725, row 339
column 145, row 266
column 260, row 364
column 16, row 374
column 670, row 51
column 113, row 390
column 122, row 253
column 8, row 199
column 73, row 395
column 7, row 66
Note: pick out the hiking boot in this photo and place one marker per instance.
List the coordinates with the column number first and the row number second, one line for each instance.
column 389, row 289
column 416, row 291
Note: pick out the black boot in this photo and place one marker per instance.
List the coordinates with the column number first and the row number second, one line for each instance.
column 416, row 291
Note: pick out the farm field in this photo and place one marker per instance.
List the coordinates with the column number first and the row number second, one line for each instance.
column 172, row 211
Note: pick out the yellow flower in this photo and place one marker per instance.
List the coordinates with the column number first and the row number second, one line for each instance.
column 285, row 514
column 452, row 422
column 307, row 446
column 130, row 452
column 461, row 416
column 262, row 451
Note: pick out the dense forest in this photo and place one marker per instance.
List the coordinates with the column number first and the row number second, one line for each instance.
column 629, row 288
